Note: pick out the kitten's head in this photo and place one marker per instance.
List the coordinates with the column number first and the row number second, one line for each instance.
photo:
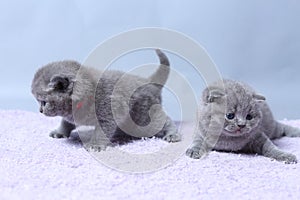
column 52, row 87
column 243, row 113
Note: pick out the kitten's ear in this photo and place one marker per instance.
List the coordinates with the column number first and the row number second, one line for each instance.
column 211, row 95
column 60, row 82
column 259, row 97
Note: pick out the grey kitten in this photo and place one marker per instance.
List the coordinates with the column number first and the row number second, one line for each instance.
column 121, row 102
column 246, row 126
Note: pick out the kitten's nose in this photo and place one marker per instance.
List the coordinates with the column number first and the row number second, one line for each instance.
column 41, row 109
column 241, row 125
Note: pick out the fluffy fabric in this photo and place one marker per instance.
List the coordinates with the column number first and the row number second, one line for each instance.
column 36, row 166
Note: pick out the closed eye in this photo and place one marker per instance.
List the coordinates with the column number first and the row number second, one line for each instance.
column 43, row 103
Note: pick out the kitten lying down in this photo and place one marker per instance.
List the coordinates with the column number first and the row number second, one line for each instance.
column 246, row 126
column 61, row 86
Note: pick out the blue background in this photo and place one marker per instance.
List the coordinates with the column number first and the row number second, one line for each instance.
column 255, row 41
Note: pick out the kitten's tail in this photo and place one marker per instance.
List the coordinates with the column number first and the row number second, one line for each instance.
column 161, row 75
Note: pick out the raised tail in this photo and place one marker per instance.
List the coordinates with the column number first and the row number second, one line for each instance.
column 160, row 76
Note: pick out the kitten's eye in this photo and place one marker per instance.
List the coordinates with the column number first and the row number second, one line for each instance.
column 249, row 117
column 230, row 116
column 43, row 103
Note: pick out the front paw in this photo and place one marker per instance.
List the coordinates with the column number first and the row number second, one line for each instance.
column 172, row 137
column 95, row 147
column 56, row 134
column 287, row 158
column 194, row 153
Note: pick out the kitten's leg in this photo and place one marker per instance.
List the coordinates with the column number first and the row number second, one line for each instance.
column 201, row 145
column 206, row 137
column 120, row 137
column 287, row 130
column 171, row 132
column 264, row 146
column 98, row 141
column 63, row 131
column 196, row 150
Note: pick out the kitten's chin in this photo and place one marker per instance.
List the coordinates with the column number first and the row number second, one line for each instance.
column 50, row 114
column 235, row 133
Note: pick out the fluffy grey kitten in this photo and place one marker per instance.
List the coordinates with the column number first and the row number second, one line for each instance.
column 237, row 119
column 111, row 101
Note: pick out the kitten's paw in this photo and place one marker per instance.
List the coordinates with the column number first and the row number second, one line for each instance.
column 194, row 153
column 295, row 132
column 287, row 158
column 95, row 147
column 172, row 137
column 290, row 159
column 56, row 134
column 290, row 131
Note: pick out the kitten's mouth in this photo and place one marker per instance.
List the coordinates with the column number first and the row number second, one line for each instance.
column 48, row 114
column 235, row 133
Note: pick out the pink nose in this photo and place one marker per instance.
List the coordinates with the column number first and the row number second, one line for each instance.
column 241, row 125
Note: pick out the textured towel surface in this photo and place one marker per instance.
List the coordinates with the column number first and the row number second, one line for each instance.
column 35, row 166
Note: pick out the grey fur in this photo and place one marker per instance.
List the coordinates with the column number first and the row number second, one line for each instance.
column 239, row 134
column 58, row 85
